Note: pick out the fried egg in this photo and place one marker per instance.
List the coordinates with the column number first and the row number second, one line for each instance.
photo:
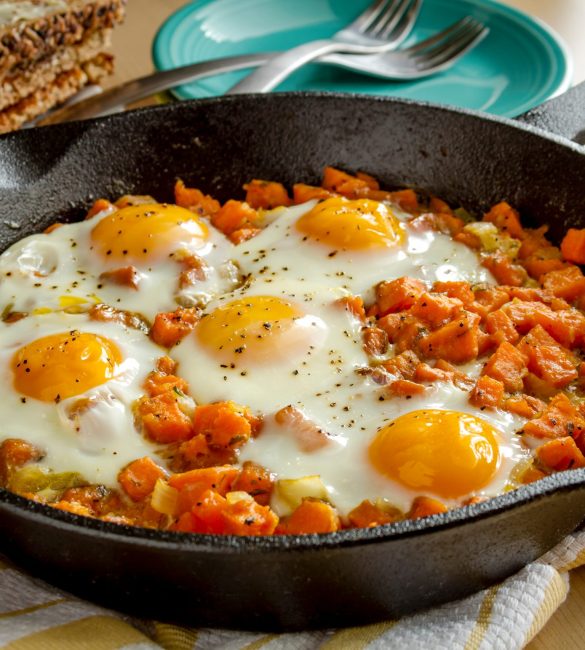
column 144, row 258
column 436, row 444
column 68, row 386
column 353, row 245
column 262, row 344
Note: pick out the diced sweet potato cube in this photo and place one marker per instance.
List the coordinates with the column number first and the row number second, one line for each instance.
column 547, row 359
column 101, row 205
column 459, row 290
column 460, row 379
column 402, row 365
column 214, row 514
column 567, row 283
column 343, row 183
column 391, row 324
column 398, row 295
column 504, row 270
column 501, row 327
column 544, row 260
column 425, row 507
column 14, row 453
column 438, row 205
column 560, row 418
column 405, row 388
column 312, row 516
column 370, row 180
column 243, row 234
column 303, row 193
column 375, row 341
column 195, row 200
column 573, row 245
column 266, row 194
column 160, row 382
column 534, row 239
column 233, row 216
column 508, row 365
column 139, row 477
column 368, row 514
column 456, row 341
column 171, row 327
column 492, row 298
column 561, row 454
column 424, row 372
column 435, row 308
column 225, row 424
column 406, row 199
column 354, row 305
column 487, row 392
column 411, row 332
column 506, row 219
column 256, row 480
column 218, row 478
column 525, row 406
column 163, row 419
column 532, row 474
column 468, row 239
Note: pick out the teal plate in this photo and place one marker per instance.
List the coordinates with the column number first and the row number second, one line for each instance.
column 520, row 64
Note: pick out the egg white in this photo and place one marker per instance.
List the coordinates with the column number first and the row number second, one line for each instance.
column 104, row 438
column 61, row 269
column 281, row 252
column 362, row 409
column 334, row 342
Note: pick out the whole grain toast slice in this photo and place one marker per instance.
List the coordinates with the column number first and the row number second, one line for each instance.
column 33, row 30
column 64, row 86
column 16, row 87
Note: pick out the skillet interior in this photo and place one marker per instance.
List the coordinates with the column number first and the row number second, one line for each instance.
column 312, row 581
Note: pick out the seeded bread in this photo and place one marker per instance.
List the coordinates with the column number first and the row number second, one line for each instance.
column 31, row 30
column 49, row 50
column 18, row 86
column 64, row 86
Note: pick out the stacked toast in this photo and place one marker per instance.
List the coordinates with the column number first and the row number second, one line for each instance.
column 49, row 50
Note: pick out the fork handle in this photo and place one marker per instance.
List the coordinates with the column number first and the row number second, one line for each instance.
column 272, row 73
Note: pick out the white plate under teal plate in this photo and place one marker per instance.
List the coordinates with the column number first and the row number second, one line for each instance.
column 520, row 64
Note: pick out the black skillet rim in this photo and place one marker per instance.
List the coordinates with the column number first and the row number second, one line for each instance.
column 548, row 486
column 493, row 506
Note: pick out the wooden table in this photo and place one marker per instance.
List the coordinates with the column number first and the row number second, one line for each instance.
column 132, row 43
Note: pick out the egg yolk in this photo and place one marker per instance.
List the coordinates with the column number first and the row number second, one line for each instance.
column 147, row 232
column 362, row 224
column 447, row 453
column 261, row 328
column 59, row 366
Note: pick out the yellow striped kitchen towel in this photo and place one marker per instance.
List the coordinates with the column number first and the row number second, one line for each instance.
column 35, row 616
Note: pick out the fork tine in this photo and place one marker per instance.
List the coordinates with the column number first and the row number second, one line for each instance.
column 392, row 15
column 441, row 36
column 454, row 49
column 370, row 14
column 402, row 28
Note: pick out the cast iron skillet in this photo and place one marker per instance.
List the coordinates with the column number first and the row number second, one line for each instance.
column 296, row 582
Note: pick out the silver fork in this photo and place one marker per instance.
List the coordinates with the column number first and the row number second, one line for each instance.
column 430, row 56
column 427, row 57
column 382, row 27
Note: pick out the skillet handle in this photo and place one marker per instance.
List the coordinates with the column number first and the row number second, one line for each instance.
column 563, row 115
